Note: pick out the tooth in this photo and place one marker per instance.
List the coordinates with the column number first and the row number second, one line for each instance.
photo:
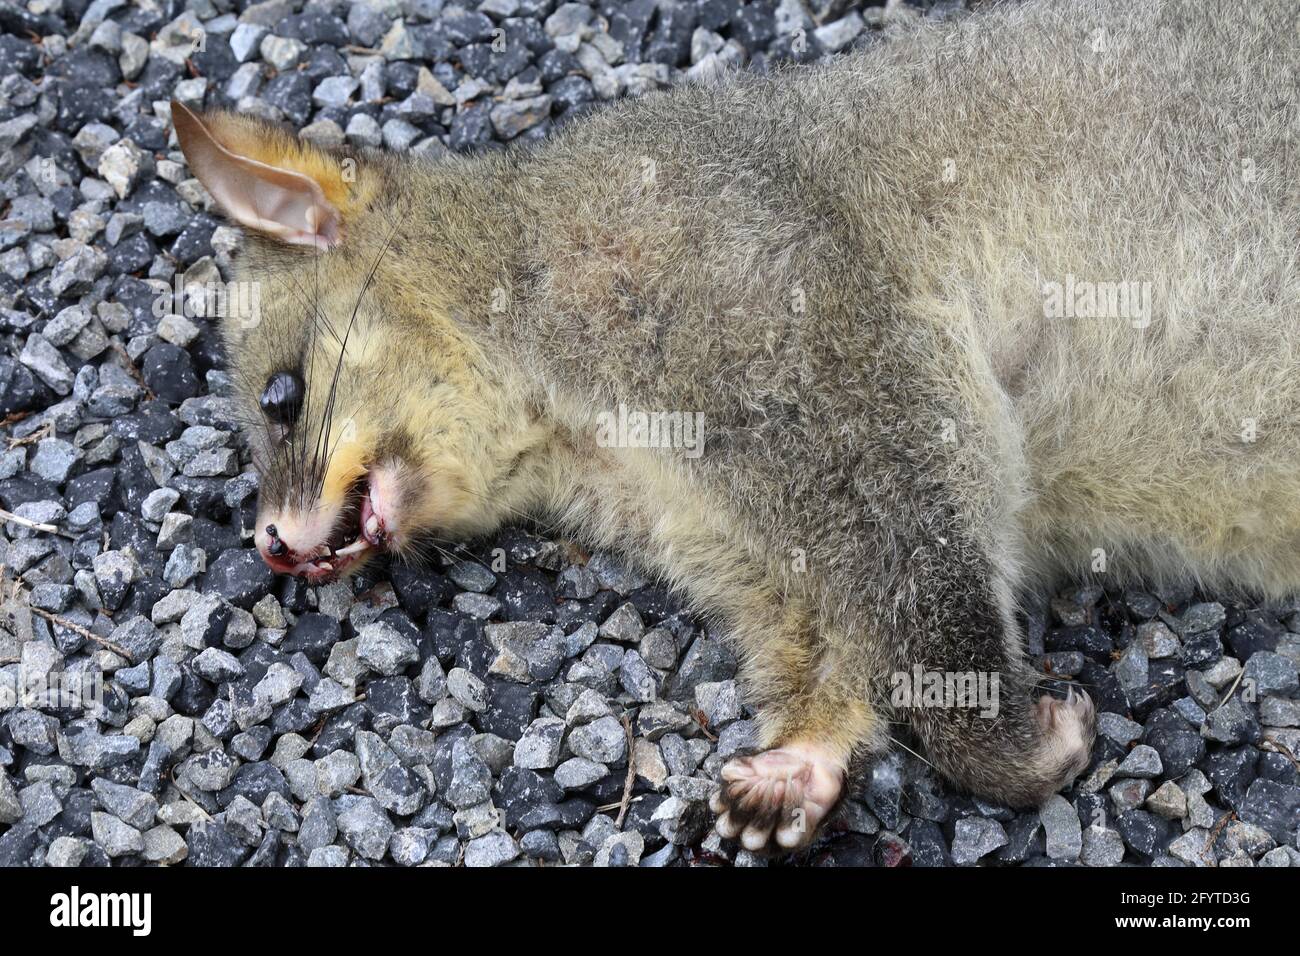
column 358, row 545
column 372, row 526
column 324, row 566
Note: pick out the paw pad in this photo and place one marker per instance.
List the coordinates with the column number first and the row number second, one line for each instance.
column 777, row 799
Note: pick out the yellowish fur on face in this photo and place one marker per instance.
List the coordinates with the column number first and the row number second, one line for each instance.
column 397, row 426
column 399, row 408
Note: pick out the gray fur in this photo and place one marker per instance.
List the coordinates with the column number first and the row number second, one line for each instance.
column 843, row 269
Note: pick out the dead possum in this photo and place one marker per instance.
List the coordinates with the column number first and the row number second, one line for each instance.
column 1000, row 300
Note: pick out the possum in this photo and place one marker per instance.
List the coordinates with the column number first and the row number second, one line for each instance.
column 991, row 303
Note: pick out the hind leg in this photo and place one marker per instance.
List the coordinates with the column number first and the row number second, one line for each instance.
column 813, row 715
column 998, row 742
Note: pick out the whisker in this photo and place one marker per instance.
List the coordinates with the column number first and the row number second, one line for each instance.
column 328, row 420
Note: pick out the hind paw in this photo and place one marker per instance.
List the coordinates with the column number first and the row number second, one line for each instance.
column 776, row 800
column 1069, row 726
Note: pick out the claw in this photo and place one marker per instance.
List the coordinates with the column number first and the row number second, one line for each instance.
column 777, row 799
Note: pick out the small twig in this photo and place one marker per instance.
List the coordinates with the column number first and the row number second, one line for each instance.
column 83, row 631
column 181, row 790
column 6, row 515
column 631, row 774
column 1214, row 836
column 1233, row 689
column 320, row 729
column 614, row 806
column 702, row 721
column 120, row 349
column 1278, row 747
column 45, row 431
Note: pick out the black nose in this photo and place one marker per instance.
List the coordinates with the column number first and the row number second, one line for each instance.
column 276, row 547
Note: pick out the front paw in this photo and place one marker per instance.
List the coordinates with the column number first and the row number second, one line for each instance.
column 777, row 799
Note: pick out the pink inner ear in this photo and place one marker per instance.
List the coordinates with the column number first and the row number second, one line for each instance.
column 290, row 211
column 279, row 202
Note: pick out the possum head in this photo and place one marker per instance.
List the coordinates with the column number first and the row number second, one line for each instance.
column 375, row 423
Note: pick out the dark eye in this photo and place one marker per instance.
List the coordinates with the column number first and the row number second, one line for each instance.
column 282, row 398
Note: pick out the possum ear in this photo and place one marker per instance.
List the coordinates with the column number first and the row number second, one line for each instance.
column 264, row 178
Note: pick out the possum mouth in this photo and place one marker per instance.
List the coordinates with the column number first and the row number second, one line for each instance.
column 359, row 530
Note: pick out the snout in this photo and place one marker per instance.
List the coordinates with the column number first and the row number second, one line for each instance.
column 326, row 541
column 288, row 552
column 282, row 556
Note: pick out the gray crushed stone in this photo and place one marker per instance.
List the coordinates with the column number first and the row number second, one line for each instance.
column 457, row 715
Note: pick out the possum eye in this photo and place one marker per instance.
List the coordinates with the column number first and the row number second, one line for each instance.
column 282, row 398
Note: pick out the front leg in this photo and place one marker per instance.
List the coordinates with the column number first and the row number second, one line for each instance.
column 806, row 681
column 810, row 693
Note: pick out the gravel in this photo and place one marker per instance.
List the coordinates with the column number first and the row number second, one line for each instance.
column 476, row 713
column 974, row 838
